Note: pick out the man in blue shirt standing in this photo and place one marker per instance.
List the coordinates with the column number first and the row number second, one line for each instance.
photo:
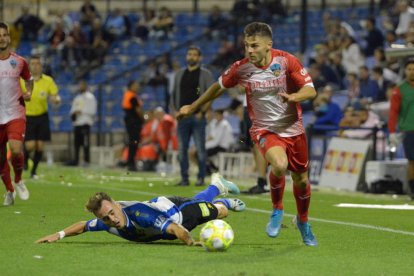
column 166, row 218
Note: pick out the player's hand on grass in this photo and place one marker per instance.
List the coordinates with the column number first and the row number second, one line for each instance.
column 49, row 239
column 197, row 243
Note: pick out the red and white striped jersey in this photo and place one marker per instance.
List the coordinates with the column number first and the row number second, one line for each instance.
column 11, row 96
column 263, row 84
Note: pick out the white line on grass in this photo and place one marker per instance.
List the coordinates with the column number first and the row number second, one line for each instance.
column 358, row 225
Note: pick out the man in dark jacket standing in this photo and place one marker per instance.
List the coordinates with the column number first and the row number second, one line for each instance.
column 189, row 83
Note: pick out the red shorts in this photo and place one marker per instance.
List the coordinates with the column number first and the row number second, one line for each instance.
column 13, row 130
column 296, row 149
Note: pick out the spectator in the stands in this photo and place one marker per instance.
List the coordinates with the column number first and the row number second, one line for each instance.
column 56, row 37
column 88, row 13
column 339, row 70
column 352, row 58
column 64, row 18
column 374, row 37
column 116, row 24
column 163, row 24
column 219, row 139
column 327, row 112
column 71, row 54
column 144, row 24
column 29, row 24
column 352, row 86
column 392, row 38
column 215, row 20
column 359, row 116
column 368, row 88
column 383, row 84
column 405, row 18
column 327, row 72
column 98, row 30
column 316, row 75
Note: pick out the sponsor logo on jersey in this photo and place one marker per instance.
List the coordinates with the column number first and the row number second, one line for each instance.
column 205, row 212
column 13, row 63
column 303, row 72
column 137, row 213
column 276, row 69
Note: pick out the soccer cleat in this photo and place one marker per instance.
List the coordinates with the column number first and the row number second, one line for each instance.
column 306, row 232
column 22, row 190
column 225, row 187
column 9, row 198
column 233, row 204
column 275, row 223
column 256, row 190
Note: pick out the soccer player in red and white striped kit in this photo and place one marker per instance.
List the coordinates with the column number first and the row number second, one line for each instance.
column 12, row 115
column 275, row 83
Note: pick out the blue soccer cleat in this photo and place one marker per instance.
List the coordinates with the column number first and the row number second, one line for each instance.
column 306, row 232
column 225, row 187
column 233, row 204
column 273, row 227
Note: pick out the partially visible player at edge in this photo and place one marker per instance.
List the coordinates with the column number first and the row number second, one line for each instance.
column 275, row 83
column 12, row 115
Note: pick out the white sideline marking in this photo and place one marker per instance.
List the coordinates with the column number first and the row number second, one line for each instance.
column 376, row 206
column 358, row 225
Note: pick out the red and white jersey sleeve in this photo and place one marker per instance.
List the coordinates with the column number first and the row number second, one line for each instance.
column 11, row 96
column 266, row 108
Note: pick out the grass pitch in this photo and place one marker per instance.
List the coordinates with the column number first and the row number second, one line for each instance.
column 352, row 241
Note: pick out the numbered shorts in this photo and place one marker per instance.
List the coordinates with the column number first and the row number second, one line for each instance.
column 194, row 211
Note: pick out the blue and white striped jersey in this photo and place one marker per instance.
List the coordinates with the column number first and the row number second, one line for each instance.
column 145, row 221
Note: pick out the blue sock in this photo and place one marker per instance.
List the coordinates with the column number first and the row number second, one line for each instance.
column 208, row 194
column 224, row 201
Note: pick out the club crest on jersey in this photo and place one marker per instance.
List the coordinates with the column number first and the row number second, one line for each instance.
column 262, row 142
column 13, row 63
column 276, row 69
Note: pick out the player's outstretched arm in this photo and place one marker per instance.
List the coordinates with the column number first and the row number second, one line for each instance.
column 73, row 230
column 182, row 234
column 211, row 93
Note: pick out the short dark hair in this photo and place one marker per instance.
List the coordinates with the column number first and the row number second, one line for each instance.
column 4, row 26
column 409, row 61
column 259, row 29
column 378, row 70
column 35, row 57
column 94, row 203
column 195, row 48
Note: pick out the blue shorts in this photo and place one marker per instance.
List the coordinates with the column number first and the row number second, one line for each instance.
column 408, row 143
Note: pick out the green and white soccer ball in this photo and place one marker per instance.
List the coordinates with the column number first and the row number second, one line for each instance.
column 216, row 235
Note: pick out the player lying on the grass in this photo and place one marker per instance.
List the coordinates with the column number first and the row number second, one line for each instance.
column 163, row 217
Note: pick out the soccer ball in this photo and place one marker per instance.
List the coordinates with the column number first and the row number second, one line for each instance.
column 216, row 235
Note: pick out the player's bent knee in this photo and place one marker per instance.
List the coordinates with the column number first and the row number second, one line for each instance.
column 301, row 180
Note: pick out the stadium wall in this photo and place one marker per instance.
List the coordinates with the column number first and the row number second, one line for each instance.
column 11, row 8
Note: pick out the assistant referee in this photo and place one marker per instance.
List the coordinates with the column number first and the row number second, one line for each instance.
column 37, row 128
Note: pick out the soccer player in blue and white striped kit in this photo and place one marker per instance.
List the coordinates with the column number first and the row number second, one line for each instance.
column 166, row 218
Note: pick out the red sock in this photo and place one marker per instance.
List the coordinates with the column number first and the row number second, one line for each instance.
column 302, row 197
column 17, row 163
column 5, row 176
column 277, row 187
